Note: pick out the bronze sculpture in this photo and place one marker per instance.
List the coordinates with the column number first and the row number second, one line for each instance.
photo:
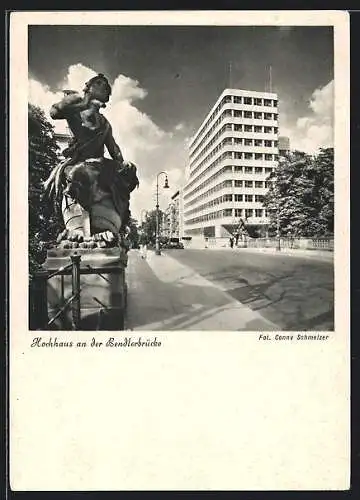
column 92, row 191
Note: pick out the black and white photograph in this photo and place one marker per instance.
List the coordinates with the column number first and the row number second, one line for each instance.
column 181, row 177
column 179, row 251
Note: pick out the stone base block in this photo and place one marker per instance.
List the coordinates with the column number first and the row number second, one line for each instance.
column 102, row 288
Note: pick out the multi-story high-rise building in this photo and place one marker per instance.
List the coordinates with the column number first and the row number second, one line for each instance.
column 165, row 222
column 231, row 157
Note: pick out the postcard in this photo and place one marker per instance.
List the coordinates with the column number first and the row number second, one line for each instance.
column 179, row 250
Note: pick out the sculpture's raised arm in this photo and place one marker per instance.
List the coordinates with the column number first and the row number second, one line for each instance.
column 69, row 104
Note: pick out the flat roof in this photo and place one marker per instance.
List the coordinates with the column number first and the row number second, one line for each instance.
column 236, row 92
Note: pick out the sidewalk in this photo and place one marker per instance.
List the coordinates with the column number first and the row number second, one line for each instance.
column 166, row 295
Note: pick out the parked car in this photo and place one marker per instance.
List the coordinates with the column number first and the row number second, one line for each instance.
column 174, row 243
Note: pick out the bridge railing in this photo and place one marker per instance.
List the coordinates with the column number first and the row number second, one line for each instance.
column 291, row 243
column 284, row 242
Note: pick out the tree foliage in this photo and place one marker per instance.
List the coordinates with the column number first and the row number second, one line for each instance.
column 43, row 156
column 134, row 236
column 301, row 195
column 148, row 227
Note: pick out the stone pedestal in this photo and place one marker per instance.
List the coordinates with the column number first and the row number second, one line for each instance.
column 102, row 288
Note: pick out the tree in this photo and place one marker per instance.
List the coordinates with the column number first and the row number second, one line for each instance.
column 148, row 227
column 324, row 164
column 43, row 156
column 301, row 195
column 134, row 236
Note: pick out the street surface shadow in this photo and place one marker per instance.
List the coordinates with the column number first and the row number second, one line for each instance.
column 177, row 305
column 284, row 298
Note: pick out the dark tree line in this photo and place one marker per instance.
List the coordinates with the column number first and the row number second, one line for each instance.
column 44, row 225
column 301, row 196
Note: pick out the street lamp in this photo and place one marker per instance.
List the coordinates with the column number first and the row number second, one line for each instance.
column 278, row 247
column 157, row 235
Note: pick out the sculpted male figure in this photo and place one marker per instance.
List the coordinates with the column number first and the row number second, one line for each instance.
column 94, row 191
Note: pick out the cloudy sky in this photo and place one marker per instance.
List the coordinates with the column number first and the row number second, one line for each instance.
column 166, row 78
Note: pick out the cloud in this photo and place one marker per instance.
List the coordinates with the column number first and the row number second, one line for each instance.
column 141, row 140
column 322, row 101
column 40, row 95
column 315, row 130
column 126, row 89
column 180, row 126
column 76, row 77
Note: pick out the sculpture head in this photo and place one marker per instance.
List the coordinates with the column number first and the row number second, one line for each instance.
column 98, row 88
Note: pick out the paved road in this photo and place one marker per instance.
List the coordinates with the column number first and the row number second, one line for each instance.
column 164, row 294
column 296, row 293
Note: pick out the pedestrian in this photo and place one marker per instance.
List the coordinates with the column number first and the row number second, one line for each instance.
column 237, row 239
column 144, row 250
column 231, row 242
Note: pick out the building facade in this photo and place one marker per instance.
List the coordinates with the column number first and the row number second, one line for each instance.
column 62, row 140
column 173, row 215
column 230, row 159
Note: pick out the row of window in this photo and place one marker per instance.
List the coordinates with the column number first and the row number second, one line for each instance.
column 228, row 184
column 228, row 141
column 250, row 184
column 197, row 153
column 238, row 155
column 228, row 100
column 250, row 142
column 209, row 133
column 250, row 212
column 237, row 127
column 253, row 115
column 226, row 169
column 240, row 141
column 248, row 101
column 252, row 170
column 229, row 212
column 227, row 155
column 218, row 187
column 226, row 198
column 252, row 101
column 253, row 142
